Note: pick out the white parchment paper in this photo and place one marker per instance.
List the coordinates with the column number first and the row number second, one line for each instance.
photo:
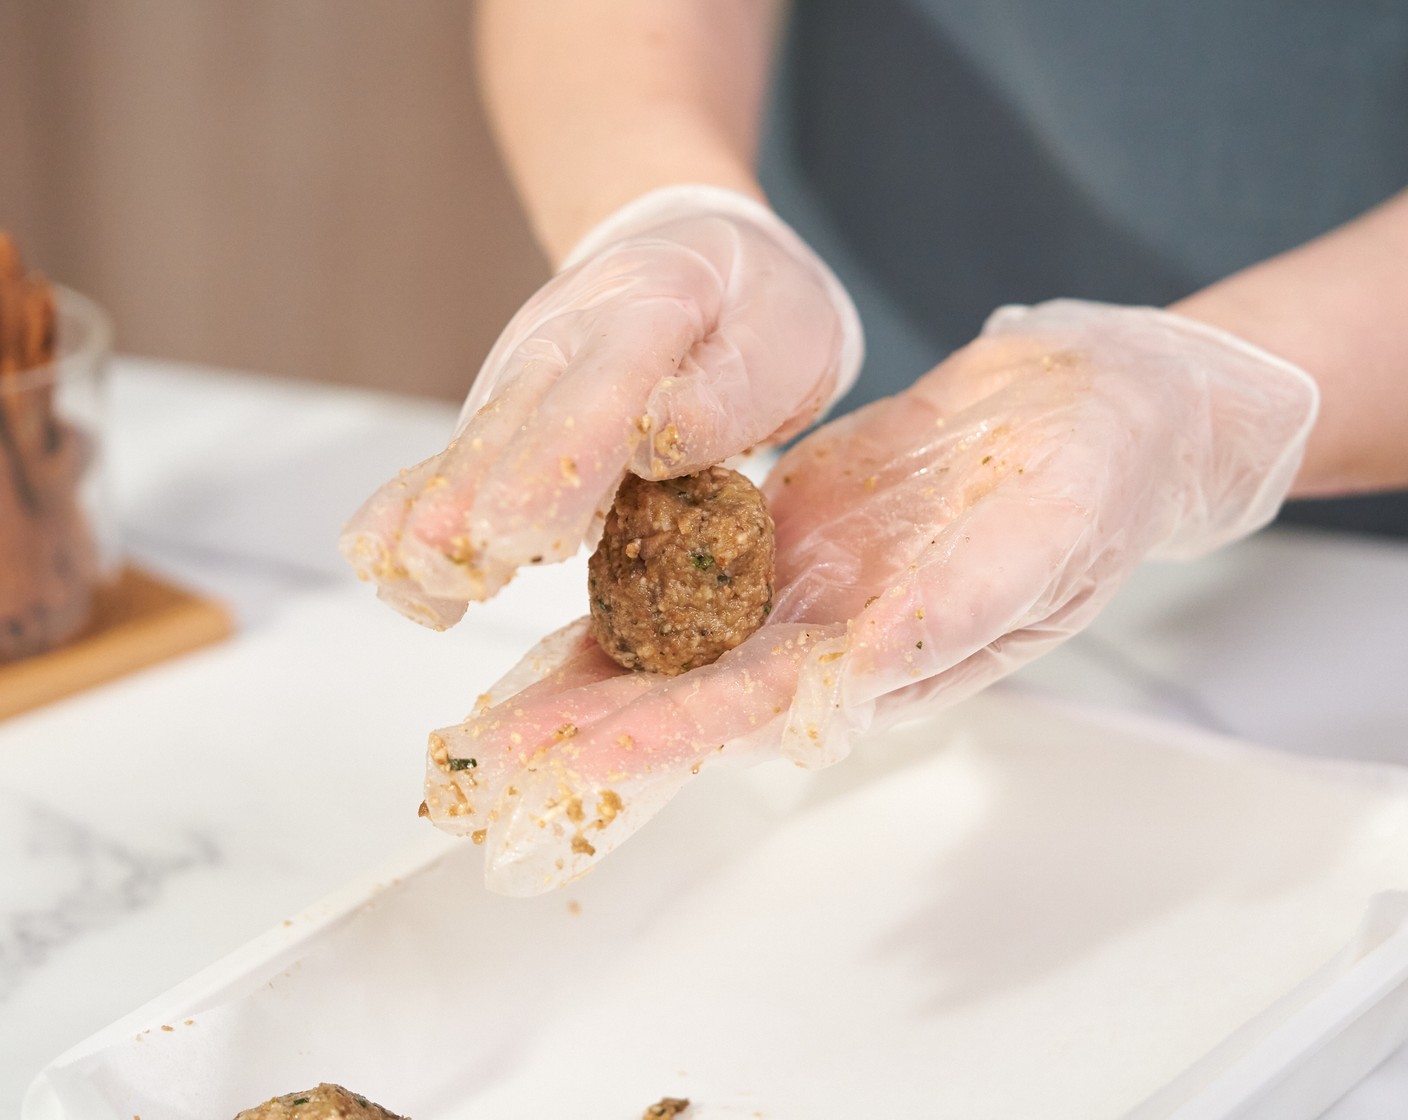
column 1013, row 910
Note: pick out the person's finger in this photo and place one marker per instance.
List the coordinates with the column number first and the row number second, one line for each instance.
column 852, row 508
column 587, row 795
column 564, row 679
column 575, row 293
column 958, row 614
column 568, row 657
column 589, row 734
column 684, row 341
column 417, row 530
column 426, row 583
column 699, row 360
column 925, row 528
column 538, row 501
column 770, row 363
column 1003, row 564
column 524, row 488
column 369, row 542
column 997, row 659
column 856, row 503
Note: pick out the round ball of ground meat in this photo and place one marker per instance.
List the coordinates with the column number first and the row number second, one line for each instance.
column 684, row 571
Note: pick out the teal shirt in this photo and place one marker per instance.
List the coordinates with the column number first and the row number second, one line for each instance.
column 947, row 157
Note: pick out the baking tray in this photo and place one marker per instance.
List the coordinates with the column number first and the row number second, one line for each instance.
column 1017, row 908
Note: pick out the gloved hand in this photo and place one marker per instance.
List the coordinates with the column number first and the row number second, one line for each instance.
column 689, row 327
column 927, row 545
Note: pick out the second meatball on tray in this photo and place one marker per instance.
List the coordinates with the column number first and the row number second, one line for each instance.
column 684, row 570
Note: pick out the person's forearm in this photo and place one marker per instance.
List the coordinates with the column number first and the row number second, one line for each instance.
column 595, row 102
column 1338, row 307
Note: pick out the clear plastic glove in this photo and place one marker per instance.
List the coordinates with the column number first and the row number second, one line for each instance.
column 689, row 327
column 927, row 545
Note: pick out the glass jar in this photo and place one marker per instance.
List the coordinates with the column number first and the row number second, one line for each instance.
column 57, row 541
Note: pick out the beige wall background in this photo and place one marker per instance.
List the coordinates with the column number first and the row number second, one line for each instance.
column 302, row 187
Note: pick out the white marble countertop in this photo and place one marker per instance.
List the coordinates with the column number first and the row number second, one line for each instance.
column 154, row 824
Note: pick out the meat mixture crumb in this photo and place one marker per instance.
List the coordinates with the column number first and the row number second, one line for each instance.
column 326, row 1102
column 684, row 571
column 666, row 1107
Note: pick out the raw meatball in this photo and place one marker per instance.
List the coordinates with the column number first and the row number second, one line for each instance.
column 326, row 1102
column 684, row 570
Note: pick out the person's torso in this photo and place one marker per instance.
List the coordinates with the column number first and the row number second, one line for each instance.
column 948, row 157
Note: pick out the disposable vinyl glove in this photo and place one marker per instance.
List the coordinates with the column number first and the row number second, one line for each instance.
column 927, row 545
column 687, row 328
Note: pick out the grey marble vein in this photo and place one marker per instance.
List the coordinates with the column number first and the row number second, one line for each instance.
column 61, row 879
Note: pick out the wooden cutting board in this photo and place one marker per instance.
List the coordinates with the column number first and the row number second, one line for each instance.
column 138, row 621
